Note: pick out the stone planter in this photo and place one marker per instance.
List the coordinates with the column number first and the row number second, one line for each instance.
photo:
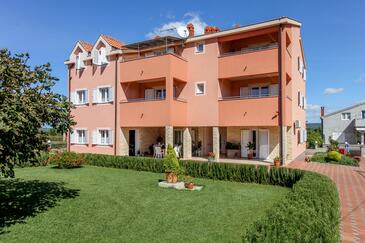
column 171, row 177
column 233, row 153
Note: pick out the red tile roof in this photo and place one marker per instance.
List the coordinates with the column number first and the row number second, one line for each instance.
column 86, row 45
column 113, row 42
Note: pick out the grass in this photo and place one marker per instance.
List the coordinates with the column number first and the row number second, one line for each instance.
column 112, row 205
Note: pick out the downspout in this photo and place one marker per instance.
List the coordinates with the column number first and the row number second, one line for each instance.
column 115, row 104
column 281, row 147
column 69, row 100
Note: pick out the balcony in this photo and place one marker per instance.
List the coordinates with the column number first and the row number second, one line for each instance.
column 360, row 124
column 153, row 112
column 167, row 65
column 249, row 62
column 250, row 111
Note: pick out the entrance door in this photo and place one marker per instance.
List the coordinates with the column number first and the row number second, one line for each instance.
column 245, row 138
column 132, row 142
column 263, row 144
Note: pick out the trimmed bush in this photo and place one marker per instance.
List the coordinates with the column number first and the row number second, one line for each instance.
column 333, row 156
column 170, row 162
column 309, row 213
column 322, row 157
column 346, row 160
column 67, row 160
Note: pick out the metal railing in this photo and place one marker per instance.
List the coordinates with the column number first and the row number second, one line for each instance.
column 251, row 49
column 143, row 99
column 247, row 97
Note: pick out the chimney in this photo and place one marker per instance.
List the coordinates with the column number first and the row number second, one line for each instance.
column 322, row 111
column 190, row 27
column 211, row 29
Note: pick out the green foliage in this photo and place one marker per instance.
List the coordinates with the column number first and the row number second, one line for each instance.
column 170, row 162
column 233, row 146
column 67, row 160
column 322, row 157
column 250, row 145
column 333, row 145
column 27, row 104
column 309, row 213
column 314, row 138
column 126, row 162
column 333, row 156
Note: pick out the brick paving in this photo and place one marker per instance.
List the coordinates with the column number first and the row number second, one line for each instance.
column 350, row 183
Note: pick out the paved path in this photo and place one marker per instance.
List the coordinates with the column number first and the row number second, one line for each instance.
column 350, row 183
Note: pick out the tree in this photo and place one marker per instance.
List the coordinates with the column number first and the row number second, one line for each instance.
column 314, row 138
column 27, row 103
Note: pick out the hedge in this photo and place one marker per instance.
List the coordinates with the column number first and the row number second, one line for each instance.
column 309, row 213
column 217, row 171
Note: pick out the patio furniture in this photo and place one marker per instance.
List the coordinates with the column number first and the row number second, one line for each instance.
column 157, row 152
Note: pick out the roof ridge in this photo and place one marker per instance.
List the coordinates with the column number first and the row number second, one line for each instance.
column 113, row 41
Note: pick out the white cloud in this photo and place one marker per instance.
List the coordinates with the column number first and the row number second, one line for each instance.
column 170, row 27
column 361, row 79
column 329, row 91
column 313, row 108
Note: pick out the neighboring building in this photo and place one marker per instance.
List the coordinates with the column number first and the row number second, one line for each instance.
column 238, row 85
column 346, row 125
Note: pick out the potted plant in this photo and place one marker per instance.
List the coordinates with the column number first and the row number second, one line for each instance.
column 189, row 183
column 277, row 161
column 233, row 149
column 171, row 165
column 211, row 156
column 250, row 146
column 307, row 159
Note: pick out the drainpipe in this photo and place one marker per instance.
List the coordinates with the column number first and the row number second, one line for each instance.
column 281, row 147
column 69, row 100
column 115, row 104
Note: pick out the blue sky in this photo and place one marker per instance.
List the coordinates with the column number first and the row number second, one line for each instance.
column 333, row 34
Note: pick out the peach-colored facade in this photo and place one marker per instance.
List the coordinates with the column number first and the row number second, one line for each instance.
column 235, row 86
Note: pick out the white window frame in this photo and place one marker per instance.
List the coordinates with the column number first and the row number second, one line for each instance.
column 196, row 88
column 75, row 136
column 77, row 100
column 259, row 86
column 343, row 116
column 196, row 47
column 99, row 139
column 98, row 93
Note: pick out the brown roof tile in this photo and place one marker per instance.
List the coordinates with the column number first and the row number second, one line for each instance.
column 113, row 42
column 86, row 45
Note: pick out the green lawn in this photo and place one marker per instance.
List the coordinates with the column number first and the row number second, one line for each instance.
column 113, row 205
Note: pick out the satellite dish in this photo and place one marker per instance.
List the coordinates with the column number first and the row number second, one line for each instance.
column 182, row 31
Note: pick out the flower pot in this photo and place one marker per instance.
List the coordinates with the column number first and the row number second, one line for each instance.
column 171, row 177
column 189, row 185
column 277, row 163
column 250, row 156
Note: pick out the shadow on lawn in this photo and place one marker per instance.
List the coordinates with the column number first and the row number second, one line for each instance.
column 20, row 199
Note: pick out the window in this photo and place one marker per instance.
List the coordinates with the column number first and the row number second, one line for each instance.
column 160, row 94
column 255, row 92
column 81, row 96
column 265, row 91
column 363, row 114
column 199, row 47
column 346, row 116
column 103, row 95
column 102, row 136
column 200, row 88
column 79, row 136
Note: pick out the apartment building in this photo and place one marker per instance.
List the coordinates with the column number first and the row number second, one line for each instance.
column 241, row 85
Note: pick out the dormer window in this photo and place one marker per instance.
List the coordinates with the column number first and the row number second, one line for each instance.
column 79, row 62
column 99, row 57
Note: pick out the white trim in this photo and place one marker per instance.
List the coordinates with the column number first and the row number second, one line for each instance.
column 196, row 85
column 258, row 143
column 76, row 98
column 98, row 94
column 75, row 135
column 342, row 117
column 196, row 45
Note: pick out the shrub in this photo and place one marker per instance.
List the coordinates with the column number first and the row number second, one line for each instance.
column 346, row 160
column 170, row 162
column 333, row 145
column 333, row 156
column 309, row 213
column 314, row 138
column 67, row 160
column 43, row 158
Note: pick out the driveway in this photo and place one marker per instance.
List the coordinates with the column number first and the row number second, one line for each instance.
column 350, row 183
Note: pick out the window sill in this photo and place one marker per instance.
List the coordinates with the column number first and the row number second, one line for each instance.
column 103, row 103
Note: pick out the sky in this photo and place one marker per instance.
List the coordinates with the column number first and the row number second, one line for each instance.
column 333, row 34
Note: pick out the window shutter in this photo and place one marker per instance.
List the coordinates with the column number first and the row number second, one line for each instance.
column 86, row 96
column 78, row 61
column 244, row 92
column 86, row 138
column 305, row 103
column 299, row 98
column 95, row 96
column 274, row 89
column 96, row 58
column 305, row 135
column 305, row 74
column 73, row 137
column 299, row 64
column 72, row 97
column 110, row 137
column 95, row 136
column 111, row 95
column 103, row 59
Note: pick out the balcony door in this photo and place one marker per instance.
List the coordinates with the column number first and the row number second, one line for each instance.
column 245, row 139
column 263, row 144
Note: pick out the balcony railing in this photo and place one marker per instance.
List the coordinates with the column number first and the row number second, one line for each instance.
column 247, row 97
column 251, row 49
column 142, row 99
